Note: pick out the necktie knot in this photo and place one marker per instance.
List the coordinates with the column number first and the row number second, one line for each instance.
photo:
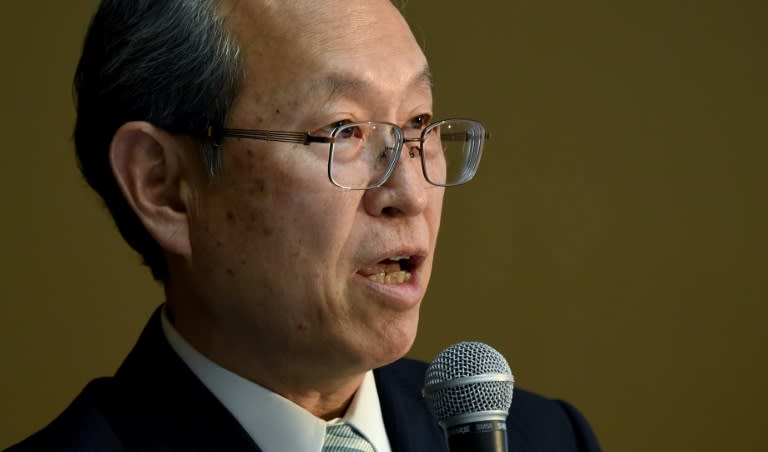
column 343, row 438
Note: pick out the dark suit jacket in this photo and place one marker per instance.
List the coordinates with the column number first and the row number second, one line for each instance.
column 155, row 403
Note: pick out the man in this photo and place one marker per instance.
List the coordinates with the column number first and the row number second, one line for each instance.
column 277, row 165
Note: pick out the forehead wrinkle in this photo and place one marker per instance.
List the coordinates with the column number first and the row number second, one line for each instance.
column 341, row 85
column 338, row 85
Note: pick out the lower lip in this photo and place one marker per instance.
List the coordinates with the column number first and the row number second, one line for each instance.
column 402, row 296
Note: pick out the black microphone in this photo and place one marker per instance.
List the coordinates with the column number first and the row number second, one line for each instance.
column 468, row 388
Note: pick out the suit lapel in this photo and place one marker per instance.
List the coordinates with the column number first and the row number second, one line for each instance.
column 410, row 427
column 158, row 404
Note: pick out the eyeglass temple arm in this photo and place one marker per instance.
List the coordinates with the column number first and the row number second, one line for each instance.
column 218, row 135
column 461, row 136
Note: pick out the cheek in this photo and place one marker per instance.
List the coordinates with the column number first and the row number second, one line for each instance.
column 275, row 212
column 435, row 209
column 284, row 227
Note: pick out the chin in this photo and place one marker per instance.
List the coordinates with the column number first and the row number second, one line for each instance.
column 394, row 343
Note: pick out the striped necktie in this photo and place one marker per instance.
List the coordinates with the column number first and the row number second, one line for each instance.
column 343, row 438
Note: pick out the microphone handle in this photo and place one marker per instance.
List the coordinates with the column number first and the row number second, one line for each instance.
column 483, row 436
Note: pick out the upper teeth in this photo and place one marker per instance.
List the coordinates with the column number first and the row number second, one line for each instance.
column 397, row 258
column 398, row 277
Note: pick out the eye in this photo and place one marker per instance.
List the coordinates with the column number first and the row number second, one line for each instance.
column 328, row 129
column 419, row 122
column 338, row 124
column 347, row 130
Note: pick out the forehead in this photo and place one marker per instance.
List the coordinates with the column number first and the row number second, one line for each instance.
column 326, row 49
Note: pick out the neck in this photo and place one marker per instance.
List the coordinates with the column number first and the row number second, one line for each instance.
column 325, row 394
column 329, row 403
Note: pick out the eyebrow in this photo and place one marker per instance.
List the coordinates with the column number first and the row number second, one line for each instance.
column 338, row 85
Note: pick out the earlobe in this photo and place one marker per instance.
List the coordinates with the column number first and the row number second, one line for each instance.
column 147, row 164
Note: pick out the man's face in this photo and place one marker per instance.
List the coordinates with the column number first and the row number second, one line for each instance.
column 284, row 263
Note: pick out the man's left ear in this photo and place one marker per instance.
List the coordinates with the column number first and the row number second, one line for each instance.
column 152, row 169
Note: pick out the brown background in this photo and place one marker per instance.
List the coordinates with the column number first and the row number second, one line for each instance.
column 612, row 247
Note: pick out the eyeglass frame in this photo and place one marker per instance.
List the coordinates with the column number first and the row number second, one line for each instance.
column 218, row 134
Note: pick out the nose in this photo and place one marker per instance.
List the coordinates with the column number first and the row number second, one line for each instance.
column 405, row 192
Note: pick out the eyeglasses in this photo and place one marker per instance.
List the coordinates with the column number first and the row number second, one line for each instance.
column 364, row 155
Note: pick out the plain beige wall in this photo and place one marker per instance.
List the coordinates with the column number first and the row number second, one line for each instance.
column 613, row 246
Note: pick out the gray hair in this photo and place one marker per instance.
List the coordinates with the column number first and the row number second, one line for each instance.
column 168, row 62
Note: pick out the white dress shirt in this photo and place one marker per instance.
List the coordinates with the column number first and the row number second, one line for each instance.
column 275, row 423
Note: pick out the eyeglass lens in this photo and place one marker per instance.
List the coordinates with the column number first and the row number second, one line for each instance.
column 364, row 155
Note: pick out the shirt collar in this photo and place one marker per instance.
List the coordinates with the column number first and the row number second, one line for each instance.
column 271, row 420
column 365, row 414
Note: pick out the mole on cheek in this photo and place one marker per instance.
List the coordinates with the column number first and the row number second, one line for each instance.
column 230, row 272
column 258, row 186
column 231, row 216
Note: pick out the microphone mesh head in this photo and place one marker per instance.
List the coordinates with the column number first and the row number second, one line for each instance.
column 467, row 359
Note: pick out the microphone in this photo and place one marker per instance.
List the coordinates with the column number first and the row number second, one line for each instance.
column 468, row 388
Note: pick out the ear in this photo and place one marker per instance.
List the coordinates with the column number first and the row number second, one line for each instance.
column 148, row 164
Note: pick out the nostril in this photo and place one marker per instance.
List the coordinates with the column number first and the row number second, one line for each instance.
column 390, row 211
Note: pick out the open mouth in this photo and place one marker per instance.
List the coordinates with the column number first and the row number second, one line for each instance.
column 393, row 270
